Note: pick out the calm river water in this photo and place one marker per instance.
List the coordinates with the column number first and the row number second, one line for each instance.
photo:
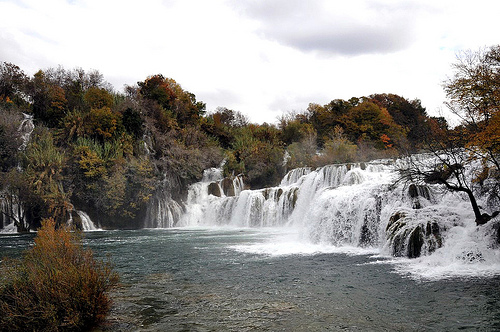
column 217, row 279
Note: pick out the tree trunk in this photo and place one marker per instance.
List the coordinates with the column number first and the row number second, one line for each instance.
column 481, row 219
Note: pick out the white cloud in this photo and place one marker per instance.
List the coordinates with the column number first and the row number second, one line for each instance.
column 258, row 57
column 346, row 28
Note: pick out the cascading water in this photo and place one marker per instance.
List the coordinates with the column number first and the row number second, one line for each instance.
column 87, row 223
column 81, row 220
column 351, row 205
column 10, row 207
column 207, row 199
column 305, row 198
column 25, row 130
column 10, row 211
column 163, row 211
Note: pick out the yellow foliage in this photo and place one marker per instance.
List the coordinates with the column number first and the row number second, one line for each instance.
column 90, row 162
column 103, row 122
column 57, row 98
column 488, row 139
column 98, row 98
column 115, row 186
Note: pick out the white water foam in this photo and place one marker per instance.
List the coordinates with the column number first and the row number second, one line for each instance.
column 289, row 241
column 9, row 229
column 468, row 252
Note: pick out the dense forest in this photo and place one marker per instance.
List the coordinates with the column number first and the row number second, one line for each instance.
column 108, row 153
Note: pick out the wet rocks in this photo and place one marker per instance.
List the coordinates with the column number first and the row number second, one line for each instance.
column 416, row 192
column 214, row 189
column 366, row 237
column 411, row 238
column 228, row 187
column 77, row 220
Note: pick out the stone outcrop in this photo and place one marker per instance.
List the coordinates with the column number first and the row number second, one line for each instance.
column 411, row 238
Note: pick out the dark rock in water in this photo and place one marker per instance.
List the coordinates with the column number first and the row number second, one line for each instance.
column 415, row 242
column 496, row 232
column 397, row 233
column 369, row 230
column 410, row 239
column 227, row 187
column 214, row 189
column 395, row 217
column 366, row 236
column 265, row 193
column 415, row 192
column 433, row 236
column 280, row 192
column 432, row 228
column 77, row 220
column 294, row 194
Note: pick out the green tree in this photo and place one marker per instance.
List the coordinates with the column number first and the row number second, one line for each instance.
column 410, row 115
column 302, row 153
column 43, row 165
column 177, row 103
column 337, row 149
column 104, row 123
column 49, row 101
column 133, row 122
column 326, row 118
column 474, row 96
column 223, row 124
column 295, row 128
column 368, row 121
column 257, row 152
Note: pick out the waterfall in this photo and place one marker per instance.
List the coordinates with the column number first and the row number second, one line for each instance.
column 163, row 211
column 86, row 223
column 351, row 205
column 10, row 211
column 211, row 199
column 11, row 208
column 25, row 130
column 294, row 175
column 221, row 201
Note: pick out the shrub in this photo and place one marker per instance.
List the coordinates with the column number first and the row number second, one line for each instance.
column 337, row 149
column 57, row 286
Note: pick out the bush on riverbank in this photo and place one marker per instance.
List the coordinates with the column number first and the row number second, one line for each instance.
column 57, row 286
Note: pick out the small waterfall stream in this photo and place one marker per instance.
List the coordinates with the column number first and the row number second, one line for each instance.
column 87, row 223
column 10, row 207
column 25, row 130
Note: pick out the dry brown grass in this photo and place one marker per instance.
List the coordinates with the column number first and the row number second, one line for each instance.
column 57, row 286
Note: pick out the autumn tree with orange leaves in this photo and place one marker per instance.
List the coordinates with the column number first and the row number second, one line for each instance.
column 474, row 96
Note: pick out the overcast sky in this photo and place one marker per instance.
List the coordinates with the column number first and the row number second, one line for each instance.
column 262, row 58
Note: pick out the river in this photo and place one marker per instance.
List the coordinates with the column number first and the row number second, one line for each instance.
column 267, row 279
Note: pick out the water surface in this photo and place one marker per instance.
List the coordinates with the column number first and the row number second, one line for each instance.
column 220, row 279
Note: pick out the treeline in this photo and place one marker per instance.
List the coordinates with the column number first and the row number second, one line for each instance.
column 109, row 152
